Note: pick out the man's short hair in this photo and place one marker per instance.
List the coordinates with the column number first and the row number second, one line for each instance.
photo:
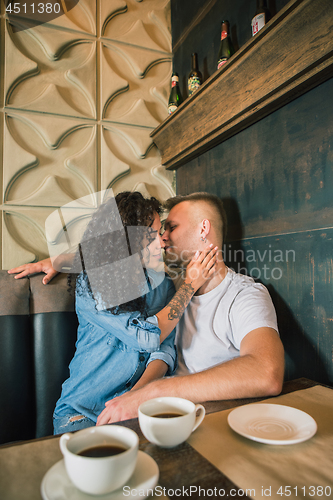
column 211, row 199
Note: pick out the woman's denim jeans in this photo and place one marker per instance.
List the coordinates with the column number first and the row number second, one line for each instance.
column 71, row 423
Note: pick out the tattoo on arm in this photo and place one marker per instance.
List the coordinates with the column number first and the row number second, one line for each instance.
column 180, row 301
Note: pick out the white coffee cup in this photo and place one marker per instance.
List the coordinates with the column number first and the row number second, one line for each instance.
column 101, row 475
column 169, row 431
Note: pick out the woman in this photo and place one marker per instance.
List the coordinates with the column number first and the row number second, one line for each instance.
column 123, row 346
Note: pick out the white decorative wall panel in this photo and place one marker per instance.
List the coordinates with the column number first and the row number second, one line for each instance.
column 79, row 98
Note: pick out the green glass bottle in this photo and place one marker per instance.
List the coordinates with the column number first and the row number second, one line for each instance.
column 261, row 17
column 194, row 78
column 226, row 46
column 175, row 98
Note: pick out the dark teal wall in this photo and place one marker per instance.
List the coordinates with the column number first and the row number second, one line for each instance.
column 276, row 178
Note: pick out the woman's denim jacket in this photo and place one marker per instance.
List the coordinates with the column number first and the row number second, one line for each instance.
column 112, row 352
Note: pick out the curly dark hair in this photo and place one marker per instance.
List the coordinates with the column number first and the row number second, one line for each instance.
column 105, row 241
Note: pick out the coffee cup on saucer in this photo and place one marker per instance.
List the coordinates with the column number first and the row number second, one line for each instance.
column 169, row 421
column 99, row 460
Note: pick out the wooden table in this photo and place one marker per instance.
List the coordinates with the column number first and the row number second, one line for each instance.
column 180, row 468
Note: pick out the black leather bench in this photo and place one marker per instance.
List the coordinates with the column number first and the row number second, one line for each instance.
column 38, row 328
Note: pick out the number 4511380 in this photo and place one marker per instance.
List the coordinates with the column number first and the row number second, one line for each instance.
column 304, row 491
column 38, row 8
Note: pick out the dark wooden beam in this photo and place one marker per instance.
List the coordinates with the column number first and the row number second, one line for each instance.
column 290, row 55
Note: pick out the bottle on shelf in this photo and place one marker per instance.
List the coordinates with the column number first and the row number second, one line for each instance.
column 175, row 98
column 226, row 46
column 261, row 17
column 194, row 78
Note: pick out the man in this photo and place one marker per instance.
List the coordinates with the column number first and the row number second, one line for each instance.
column 227, row 339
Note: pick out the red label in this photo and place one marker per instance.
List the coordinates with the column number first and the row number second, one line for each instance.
column 173, row 84
column 258, row 22
column 224, row 35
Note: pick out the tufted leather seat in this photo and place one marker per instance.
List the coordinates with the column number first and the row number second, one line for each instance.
column 37, row 341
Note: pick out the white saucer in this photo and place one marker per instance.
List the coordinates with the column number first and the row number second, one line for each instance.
column 272, row 423
column 56, row 484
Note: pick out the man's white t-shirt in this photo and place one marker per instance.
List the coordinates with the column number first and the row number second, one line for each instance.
column 214, row 324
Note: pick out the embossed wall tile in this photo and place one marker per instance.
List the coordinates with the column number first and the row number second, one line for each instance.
column 135, row 138
column 83, row 77
column 2, row 58
column 138, row 60
column 22, row 69
column 143, row 188
column 112, row 84
column 162, row 20
column 1, row 150
column 131, row 98
column 59, row 72
column 165, row 177
column 112, row 167
column 82, row 17
column 139, row 114
column 18, row 160
column 122, row 169
column 65, row 227
column 161, row 93
column 23, row 236
column 142, row 105
column 1, row 217
column 52, row 42
column 146, row 25
column 52, row 131
column 141, row 173
column 109, row 10
column 51, row 99
column 135, row 32
column 37, row 162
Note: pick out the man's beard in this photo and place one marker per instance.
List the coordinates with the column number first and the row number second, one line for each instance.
column 173, row 260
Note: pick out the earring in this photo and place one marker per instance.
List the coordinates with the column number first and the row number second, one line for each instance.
column 204, row 239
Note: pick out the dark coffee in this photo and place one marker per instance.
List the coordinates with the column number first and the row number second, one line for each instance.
column 105, row 450
column 168, row 415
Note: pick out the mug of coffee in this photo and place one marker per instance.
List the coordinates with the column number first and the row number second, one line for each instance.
column 99, row 460
column 169, row 421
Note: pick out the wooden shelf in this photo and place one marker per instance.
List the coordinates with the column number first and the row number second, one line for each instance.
column 290, row 55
